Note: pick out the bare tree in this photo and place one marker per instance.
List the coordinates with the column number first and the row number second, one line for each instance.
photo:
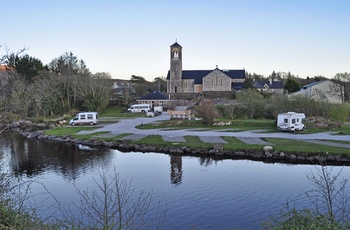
column 114, row 205
column 327, row 196
column 207, row 111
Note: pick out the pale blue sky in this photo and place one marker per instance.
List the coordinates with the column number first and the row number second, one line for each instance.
column 306, row 37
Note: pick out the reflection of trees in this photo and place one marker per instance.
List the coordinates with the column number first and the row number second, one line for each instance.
column 32, row 157
column 176, row 169
column 206, row 161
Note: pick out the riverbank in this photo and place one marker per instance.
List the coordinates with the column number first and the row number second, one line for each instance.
column 217, row 151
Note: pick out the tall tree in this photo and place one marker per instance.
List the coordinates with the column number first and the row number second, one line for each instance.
column 343, row 79
column 291, row 85
column 137, row 79
column 248, row 83
column 26, row 66
column 251, row 100
column 160, row 84
column 68, row 64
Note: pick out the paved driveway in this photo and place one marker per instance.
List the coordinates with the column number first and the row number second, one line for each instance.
column 212, row 136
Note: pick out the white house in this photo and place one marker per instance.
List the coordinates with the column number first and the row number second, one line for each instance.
column 322, row 90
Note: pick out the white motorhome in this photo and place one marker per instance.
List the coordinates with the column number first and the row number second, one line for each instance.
column 290, row 121
column 139, row 108
column 90, row 118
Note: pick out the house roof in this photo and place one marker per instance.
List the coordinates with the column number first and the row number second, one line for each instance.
column 272, row 85
column 155, row 95
column 313, row 84
column 198, row 75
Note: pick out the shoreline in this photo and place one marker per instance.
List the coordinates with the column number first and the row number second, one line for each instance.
column 266, row 155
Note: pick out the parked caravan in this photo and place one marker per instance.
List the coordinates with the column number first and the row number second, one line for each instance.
column 84, row 118
column 290, row 121
column 139, row 108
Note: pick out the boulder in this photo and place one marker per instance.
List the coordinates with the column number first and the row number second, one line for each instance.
column 267, row 148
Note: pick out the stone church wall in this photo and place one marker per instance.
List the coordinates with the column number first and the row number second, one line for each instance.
column 188, row 86
column 216, row 81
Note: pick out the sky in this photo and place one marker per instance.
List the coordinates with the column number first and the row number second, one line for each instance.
column 133, row 37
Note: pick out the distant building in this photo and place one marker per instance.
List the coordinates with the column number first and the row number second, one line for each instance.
column 322, row 90
column 198, row 81
column 154, row 98
column 269, row 86
column 122, row 87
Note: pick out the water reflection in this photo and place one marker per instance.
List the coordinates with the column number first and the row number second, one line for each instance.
column 176, row 169
column 224, row 193
column 33, row 157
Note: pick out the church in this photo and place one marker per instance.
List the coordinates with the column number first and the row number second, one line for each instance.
column 198, row 81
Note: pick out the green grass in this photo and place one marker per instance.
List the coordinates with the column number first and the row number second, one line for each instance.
column 235, row 144
column 116, row 112
column 300, row 147
column 281, row 145
column 156, row 140
column 65, row 130
column 239, row 125
column 196, row 142
column 92, row 135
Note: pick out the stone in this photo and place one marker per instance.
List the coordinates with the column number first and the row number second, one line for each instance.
column 268, row 154
column 267, row 148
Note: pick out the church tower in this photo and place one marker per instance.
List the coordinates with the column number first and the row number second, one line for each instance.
column 175, row 69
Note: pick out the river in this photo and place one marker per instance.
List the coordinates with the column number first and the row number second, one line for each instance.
column 196, row 192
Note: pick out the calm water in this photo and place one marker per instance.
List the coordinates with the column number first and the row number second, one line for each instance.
column 198, row 192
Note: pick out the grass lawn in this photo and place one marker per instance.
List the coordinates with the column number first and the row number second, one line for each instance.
column 281, row 145
column 236, row 125
column 116, row 112
column 65, row 130
column 285, row 145
column 293, row 146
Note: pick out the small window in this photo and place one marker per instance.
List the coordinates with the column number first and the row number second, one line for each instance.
column 293, row 121
column 90, row 116
column 285, row 120
column 82, row 117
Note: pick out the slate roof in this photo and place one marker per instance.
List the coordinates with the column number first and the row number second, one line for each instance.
column 155, row 95
column 198, row 75
column 313, row 84
column 176, row 44
column 273, row 85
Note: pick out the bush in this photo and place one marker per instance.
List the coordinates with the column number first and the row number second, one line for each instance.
column 339, row 113
column 207, row 111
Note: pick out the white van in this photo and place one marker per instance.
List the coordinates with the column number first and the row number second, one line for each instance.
column 90, row 118
column 139, row 108
column 290, row 121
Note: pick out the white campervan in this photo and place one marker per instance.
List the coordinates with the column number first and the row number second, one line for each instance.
column 290, row 121
column 90, row 118
column 139, row 108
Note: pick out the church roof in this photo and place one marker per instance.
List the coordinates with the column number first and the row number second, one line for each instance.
column 155, row 95
column 198, row 75
column 175, row 44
